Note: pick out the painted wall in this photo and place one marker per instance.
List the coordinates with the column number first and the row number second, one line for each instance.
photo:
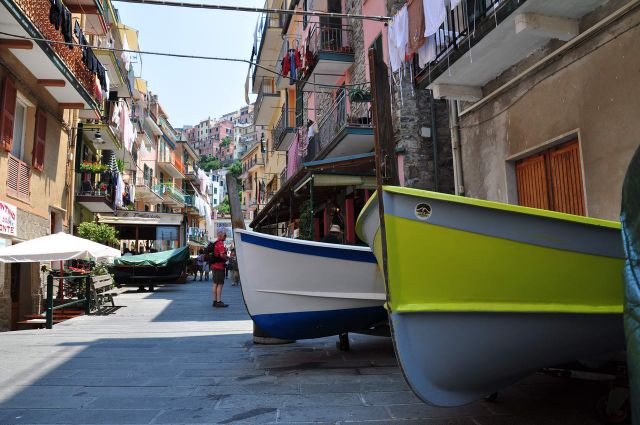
column 592, row 91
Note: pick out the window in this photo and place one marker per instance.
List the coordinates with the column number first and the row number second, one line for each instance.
column 552, row 180
column 19, row 124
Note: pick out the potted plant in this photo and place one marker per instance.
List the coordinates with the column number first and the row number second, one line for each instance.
column 359, row 95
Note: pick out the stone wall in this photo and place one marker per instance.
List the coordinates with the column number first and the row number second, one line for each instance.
column 411, row 110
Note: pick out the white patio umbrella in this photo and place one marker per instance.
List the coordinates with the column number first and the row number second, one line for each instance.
column 56, row 247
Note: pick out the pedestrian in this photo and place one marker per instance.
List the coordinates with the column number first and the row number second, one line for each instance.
column 199, row 265
column 334, row 235
column 233, row 265
column 218, row 262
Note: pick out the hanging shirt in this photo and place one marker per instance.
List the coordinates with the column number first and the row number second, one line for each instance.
column 415, row 10
column 455, row 3
column 119, row 192
column 434, row 15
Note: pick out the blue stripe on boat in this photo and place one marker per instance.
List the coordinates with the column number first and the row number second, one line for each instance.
column 318, row 324
column 320, row 251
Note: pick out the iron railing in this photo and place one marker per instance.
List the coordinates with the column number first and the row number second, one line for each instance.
column 286, row 123
column 267, row 87
column 343, row 113
column 169, row 190
column 330, row 38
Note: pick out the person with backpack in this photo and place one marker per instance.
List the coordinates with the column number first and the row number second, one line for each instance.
column 218, row 261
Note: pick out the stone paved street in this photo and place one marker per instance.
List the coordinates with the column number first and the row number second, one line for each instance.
column 169, row 358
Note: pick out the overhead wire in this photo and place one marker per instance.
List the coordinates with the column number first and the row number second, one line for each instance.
column 182, row 56
column 258, row 10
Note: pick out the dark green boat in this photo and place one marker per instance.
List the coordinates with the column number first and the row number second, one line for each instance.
column 147, row 269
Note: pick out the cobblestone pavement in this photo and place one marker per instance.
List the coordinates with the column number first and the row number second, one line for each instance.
column 169, row 358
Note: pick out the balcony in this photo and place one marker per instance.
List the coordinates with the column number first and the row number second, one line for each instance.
column 147, row 190
column 101, row 136
column 191, row 171
column 267, row 43
column 332, row 54
column 171, row 164
column 284, row 129
column 267, row 101
column 282, row 81
column 95, row 192
column 254, row 163
column 198, row 236
column 171, row 195
column 94, row 12
column 345, row 130
column 118, row 77
column 477, row 44
column 55, row 67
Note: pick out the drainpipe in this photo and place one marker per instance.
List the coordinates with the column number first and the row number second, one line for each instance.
column 434, row 143
column 458, row 177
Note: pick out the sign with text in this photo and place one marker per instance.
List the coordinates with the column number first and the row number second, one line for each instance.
column 8, row 219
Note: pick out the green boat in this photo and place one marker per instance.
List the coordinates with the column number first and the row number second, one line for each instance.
column 481, row 294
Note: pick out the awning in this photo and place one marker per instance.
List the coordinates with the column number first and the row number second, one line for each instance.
column 56, row 247
column 142, row 218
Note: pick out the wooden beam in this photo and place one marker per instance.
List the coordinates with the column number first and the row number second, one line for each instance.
column 85, row 10
column 71, row 105
column 52, row 83
column 14, row 43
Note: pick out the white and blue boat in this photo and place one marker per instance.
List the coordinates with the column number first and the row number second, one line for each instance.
column 296, row 289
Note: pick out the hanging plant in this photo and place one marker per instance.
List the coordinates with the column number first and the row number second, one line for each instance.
column 120, row 164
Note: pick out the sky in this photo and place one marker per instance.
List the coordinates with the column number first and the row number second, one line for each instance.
column 191, row 90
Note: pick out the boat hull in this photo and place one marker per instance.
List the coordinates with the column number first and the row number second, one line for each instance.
column 297, row 289
column 482, row 294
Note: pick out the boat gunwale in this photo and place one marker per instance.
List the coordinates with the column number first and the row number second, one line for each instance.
column 425, row 194
column 305, row 242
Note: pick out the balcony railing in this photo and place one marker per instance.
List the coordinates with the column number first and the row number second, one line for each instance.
column 285, row 125
column 172, row 159
column 330, row 38
column 254, row 161
column 169, row 190
column 344, row 113
column 38, row 12
column 197, row 235
column 459, row 23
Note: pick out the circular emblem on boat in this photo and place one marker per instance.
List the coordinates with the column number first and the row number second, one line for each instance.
column 423, row 211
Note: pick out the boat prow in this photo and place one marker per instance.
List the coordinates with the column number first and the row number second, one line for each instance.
column 482, row 294
column 296, row 289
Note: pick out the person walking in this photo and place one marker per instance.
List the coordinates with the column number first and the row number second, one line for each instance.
column 218, row 262
column 199, row 265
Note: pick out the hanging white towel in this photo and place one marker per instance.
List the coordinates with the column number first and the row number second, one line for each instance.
column 434, row 15
column 427, row 53
column 402, row 32
column 394, row 58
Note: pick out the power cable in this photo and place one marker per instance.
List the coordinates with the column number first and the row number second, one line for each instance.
column 182, row 56
column 259, row 10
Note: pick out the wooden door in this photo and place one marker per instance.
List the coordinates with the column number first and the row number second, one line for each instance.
column 552, row 180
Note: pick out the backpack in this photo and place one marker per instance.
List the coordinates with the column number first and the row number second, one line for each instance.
column 216, row 258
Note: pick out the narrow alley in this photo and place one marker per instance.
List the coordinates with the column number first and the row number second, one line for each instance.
column 168, row 358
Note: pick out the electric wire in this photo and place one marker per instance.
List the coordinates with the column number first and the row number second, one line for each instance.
column 258, row 10
column 182, row 56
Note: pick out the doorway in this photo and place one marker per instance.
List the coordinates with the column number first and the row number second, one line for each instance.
column 15, row 295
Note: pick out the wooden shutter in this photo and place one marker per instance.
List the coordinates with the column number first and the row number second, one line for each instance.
column 531, row 176
column 8, row 112
column 37, row 157
column 566, row 179
column 18, row 179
